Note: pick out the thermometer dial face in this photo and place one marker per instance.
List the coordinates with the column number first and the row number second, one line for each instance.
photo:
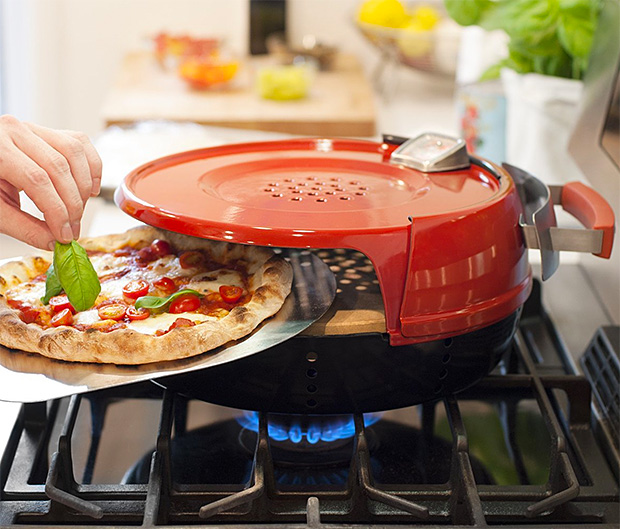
column 432, row 153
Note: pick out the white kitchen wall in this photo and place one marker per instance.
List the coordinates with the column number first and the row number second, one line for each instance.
column 60, row 57
column 331, row 22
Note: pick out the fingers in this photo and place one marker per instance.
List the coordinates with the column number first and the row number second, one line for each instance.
column 58, row 170
column 74, row 153
column 23, row 173
column 92, row 158
column 20, row 225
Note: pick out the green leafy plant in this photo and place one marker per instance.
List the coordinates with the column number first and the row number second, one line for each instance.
column 549, row 37
column 157, row 303
column 72, row 271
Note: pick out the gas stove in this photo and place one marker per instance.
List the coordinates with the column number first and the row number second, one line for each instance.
column 532, row 444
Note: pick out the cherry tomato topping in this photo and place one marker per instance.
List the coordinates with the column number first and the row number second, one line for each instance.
column 191, row 259
column 61, row 302
column 111, row 301
column 185, row 303
column 160, row 248
column 145, row 255
column 64, row 317
column 112, row 312
column 137, row 314
column 136, row 289
column 231, row 293
column 166, row 285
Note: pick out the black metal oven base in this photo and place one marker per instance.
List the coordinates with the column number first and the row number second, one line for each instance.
column 349, row 374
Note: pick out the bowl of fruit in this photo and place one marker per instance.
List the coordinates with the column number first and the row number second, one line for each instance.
column 203, row 72
column 419, row 35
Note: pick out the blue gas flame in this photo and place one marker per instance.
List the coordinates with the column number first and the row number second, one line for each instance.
column 324, row 430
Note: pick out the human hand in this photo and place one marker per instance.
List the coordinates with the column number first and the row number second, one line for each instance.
column 58, row 170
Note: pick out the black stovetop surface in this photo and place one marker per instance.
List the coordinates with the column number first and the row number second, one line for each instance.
column 531, row 444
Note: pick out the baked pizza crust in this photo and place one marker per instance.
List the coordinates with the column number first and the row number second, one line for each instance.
column 270, row 279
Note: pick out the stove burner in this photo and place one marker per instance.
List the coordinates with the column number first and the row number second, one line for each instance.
column 213, row 454
column 303, row 432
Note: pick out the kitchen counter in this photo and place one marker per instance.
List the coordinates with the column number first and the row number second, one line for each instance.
column 340, row 102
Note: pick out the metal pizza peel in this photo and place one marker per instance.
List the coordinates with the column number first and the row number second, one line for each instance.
column 29, row 377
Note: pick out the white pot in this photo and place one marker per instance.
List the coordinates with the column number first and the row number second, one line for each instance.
column 541, row 111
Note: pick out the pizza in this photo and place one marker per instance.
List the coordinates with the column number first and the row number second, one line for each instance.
column 232, row 289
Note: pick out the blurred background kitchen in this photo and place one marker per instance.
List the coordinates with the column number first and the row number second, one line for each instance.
column 145, row 78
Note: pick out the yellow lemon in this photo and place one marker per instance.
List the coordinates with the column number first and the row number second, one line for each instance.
column 388, row 13
column 425, row 16
column 415, row 40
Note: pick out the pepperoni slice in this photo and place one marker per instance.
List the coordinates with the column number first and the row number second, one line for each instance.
column 179, row 322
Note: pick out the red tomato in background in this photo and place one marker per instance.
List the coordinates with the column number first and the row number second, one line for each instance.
column 64, row 317
column 160, row 248
column 230, row 293
column 166, row 285
column 136, row 289
column 145, row 255
column 59, row 303
column 184, row 303
column 191, row 259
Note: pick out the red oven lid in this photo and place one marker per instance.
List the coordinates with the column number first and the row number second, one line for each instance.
column 308, row 192
column 446, row 247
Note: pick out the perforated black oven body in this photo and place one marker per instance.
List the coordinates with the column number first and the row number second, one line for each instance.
column 349, row 374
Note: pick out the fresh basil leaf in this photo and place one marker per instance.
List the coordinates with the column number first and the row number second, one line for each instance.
column 559, row 65
column 577, row 23
column 76, row 275
column 467, row 12
column 550, row 37
column 157, row 303
column 52, row 285
column 493, row 72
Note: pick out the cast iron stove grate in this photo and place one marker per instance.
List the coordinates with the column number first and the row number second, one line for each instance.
column 582, row 488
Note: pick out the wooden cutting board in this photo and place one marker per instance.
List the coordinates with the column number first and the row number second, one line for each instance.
column 340, row 102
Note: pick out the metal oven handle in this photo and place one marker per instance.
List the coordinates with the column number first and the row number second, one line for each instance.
column 539, row 225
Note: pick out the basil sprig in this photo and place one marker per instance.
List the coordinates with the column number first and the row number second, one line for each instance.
column 156, row 303
column 72, row 270
column 52, row 285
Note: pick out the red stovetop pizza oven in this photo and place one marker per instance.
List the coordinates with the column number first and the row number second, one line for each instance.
column 447, row 235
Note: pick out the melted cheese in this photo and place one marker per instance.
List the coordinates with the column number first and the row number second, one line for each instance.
column 28, row 293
